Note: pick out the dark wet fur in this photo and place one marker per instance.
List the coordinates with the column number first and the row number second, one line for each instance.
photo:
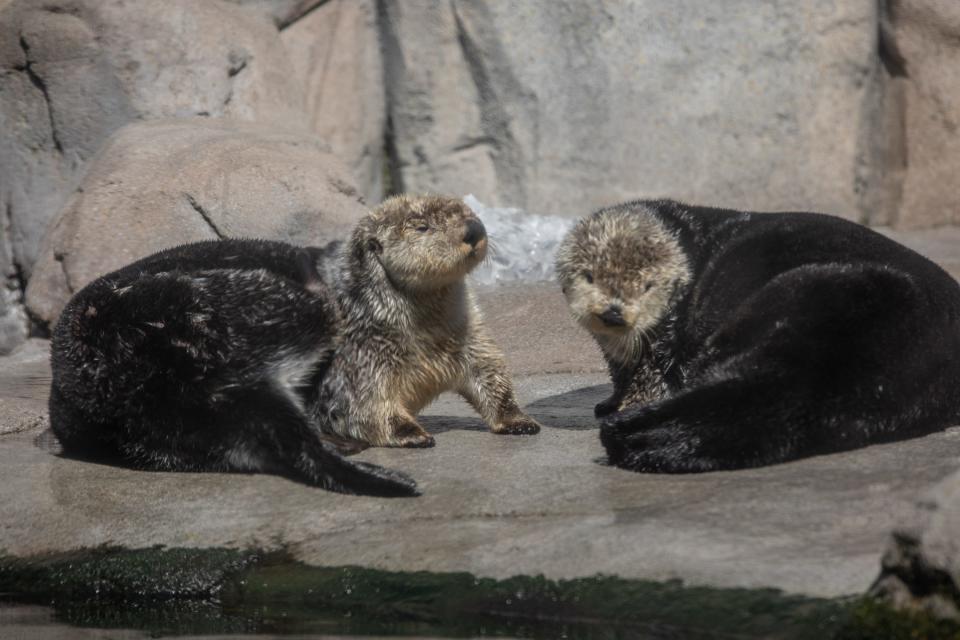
column 798, row 334
column 170, row 364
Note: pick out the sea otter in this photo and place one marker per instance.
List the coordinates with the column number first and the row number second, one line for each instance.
column 248, row 355
column 738, row 339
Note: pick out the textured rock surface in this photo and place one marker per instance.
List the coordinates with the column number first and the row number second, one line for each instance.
column 13, row 320
column 335, row 53
column 923, row 54
column 163, row 183
column 25, row 382
column 559, row 106
column 921, row 568
column 73, row 71
column 499, row 506
column 282, row 13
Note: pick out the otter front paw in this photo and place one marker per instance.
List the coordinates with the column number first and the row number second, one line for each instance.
column 406, row 433
column 606, row 407
column 518, row 425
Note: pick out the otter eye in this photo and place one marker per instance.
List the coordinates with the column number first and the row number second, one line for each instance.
column 588, row 277
column 422, row 227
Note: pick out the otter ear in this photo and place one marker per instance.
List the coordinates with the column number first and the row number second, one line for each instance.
column 374, row 246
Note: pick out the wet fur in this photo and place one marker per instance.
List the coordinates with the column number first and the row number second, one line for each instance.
column 238, row 356
column 200, row 358
column 412, row 329
column 782, row 336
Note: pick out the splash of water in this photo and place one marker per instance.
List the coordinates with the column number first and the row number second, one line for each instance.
column 522, row 245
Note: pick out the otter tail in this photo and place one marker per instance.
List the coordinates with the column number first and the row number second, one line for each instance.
column 275, row 435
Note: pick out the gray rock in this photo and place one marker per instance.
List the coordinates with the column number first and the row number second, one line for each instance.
column 500, row 506
column 922, row 54
column 74, row 71
column 163, row 183
column 13, row 320
column 281, row 13
column 335, row 53
column 563, row 106
column 921, row 567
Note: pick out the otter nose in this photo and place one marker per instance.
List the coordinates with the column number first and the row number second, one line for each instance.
column 613, row 316
column 475, row 232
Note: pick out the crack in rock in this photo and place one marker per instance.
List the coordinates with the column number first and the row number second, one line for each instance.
column 60, row 257
column 507, row 154
column 40, row 84
column 205, row 215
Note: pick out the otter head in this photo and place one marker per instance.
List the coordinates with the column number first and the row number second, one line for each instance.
column 618, row 269
column 422, row 242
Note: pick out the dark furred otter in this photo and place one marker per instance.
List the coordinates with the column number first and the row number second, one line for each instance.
column 200, row 358
column 741, row 339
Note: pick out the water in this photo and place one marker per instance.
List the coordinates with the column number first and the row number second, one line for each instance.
column 161, row 592
column 522, row 244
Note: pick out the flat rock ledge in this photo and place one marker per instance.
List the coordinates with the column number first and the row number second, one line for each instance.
column 493, row 506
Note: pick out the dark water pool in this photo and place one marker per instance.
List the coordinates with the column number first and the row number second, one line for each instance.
column 120, row 593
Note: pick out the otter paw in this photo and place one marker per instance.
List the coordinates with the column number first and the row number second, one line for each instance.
column 520, row 425
column 606, row 407
column 412, row 435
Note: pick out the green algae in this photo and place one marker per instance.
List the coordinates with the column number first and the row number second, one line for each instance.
column 870, row 619
column 181, row 591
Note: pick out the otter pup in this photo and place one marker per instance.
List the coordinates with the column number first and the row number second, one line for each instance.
column 740, row 339
column 411, row 328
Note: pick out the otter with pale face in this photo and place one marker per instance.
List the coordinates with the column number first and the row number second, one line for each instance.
column 739, row 339
column 412, row 328
column 619, row 271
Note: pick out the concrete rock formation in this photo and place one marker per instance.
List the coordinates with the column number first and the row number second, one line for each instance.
column 163, row 183
column 74, row 71
column 560, row 107
column 335, row 53
column 922, row 52
column 282, row 13
column 921, row 568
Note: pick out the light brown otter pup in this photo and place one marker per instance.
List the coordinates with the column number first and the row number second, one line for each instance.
column 411, row 328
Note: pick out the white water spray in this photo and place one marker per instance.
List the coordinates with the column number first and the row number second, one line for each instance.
column 523, row 244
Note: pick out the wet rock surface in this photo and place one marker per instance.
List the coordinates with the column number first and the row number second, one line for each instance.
column 499, row 505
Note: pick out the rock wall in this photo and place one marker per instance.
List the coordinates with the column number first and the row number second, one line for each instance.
column 335, row 53
column 560, row 106
column 922, row 50
column 553, row 106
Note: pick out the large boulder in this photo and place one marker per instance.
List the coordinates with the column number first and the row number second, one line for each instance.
column 921, row 567
column 163, row 183
column 560, row 106
column 922, row 52
column 335, row 52
column 74, row 71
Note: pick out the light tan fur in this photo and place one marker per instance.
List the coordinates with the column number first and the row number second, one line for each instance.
column 412, row 328
column 623, row 258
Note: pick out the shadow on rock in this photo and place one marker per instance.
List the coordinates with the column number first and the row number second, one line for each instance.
column 571, row 409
